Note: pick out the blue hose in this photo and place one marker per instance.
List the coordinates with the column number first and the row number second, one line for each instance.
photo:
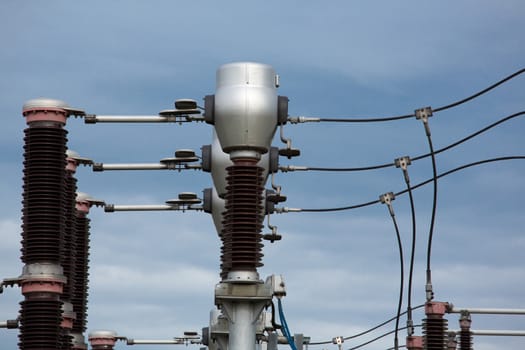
column 285, row 329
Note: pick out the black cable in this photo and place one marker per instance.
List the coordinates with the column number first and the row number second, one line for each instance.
column 401, row 346
column 491, row 160
column 341, row 208
column 366, row 120
column 412, row 254
column 377, row 338
column 439, row 109
column 471, row 135
column 367, row 331
column 430, row 293
column 418, row 185
column 402, row 273
column 446, row 148
column 374, row 167
column 455, row 104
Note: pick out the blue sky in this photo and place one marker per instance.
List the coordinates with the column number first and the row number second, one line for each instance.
column 153, row 274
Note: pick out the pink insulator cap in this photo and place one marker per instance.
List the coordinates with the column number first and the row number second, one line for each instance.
column 45, row 109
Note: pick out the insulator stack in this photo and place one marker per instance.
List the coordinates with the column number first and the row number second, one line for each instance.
column 80, row 296
column 70, row 237
column 242, row 225
column 43, row 199
column 40, row 324
column 435, row 326
column 465, row 335
column 43, row 224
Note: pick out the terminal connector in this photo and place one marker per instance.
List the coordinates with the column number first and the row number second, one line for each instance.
column 403, row 163
column 423, row 114
column 387, row 199
column 339, row 341
column 297, row 120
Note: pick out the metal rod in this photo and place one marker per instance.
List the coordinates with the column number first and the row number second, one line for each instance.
column 493, row 311
column 152, row 342
column 128, row 119
column 136, row 166
column 511, row 333
column 141, row 207
column 9, row 324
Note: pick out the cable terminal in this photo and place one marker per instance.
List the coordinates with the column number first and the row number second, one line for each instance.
column 423, row 114
column 339, row 341
column 387, row 199
column 287, row 168
column 403, row 162
column 297, row 120
column 287, row 210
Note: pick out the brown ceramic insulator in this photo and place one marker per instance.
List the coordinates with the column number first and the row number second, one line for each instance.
column 242, row 224
column 80, row 295
column 40, row 324
column 70, row 237
column 66, row 340
column 465, row 339
column 435, row 333
column 43, row 197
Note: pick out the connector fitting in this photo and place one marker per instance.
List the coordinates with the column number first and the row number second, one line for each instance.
column 423, row 113
column 387, row 199
column 403, row 162
column 438, row 308
column 414, row 343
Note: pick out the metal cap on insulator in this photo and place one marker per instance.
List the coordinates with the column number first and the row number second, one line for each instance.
column 102, row 339
column 246, row 108
column 78, row 342
column 84, row 202
column 42, row 278
column 68, row 315
column 74, row 160
column 45, row 110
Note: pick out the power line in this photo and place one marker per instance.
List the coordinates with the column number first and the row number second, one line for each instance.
column 367, row 331
column 387, row 199
column 350, row 207
column 376, row 339
column 460, row 102
column 426, row 155
column 439, row 109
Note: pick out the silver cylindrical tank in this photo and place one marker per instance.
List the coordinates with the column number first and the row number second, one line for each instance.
column 246, row 108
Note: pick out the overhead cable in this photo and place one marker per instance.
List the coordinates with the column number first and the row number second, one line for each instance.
column 406, row 116
column 365, row 332
column 387, row 199
column 426, row 155
column 356, row 206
